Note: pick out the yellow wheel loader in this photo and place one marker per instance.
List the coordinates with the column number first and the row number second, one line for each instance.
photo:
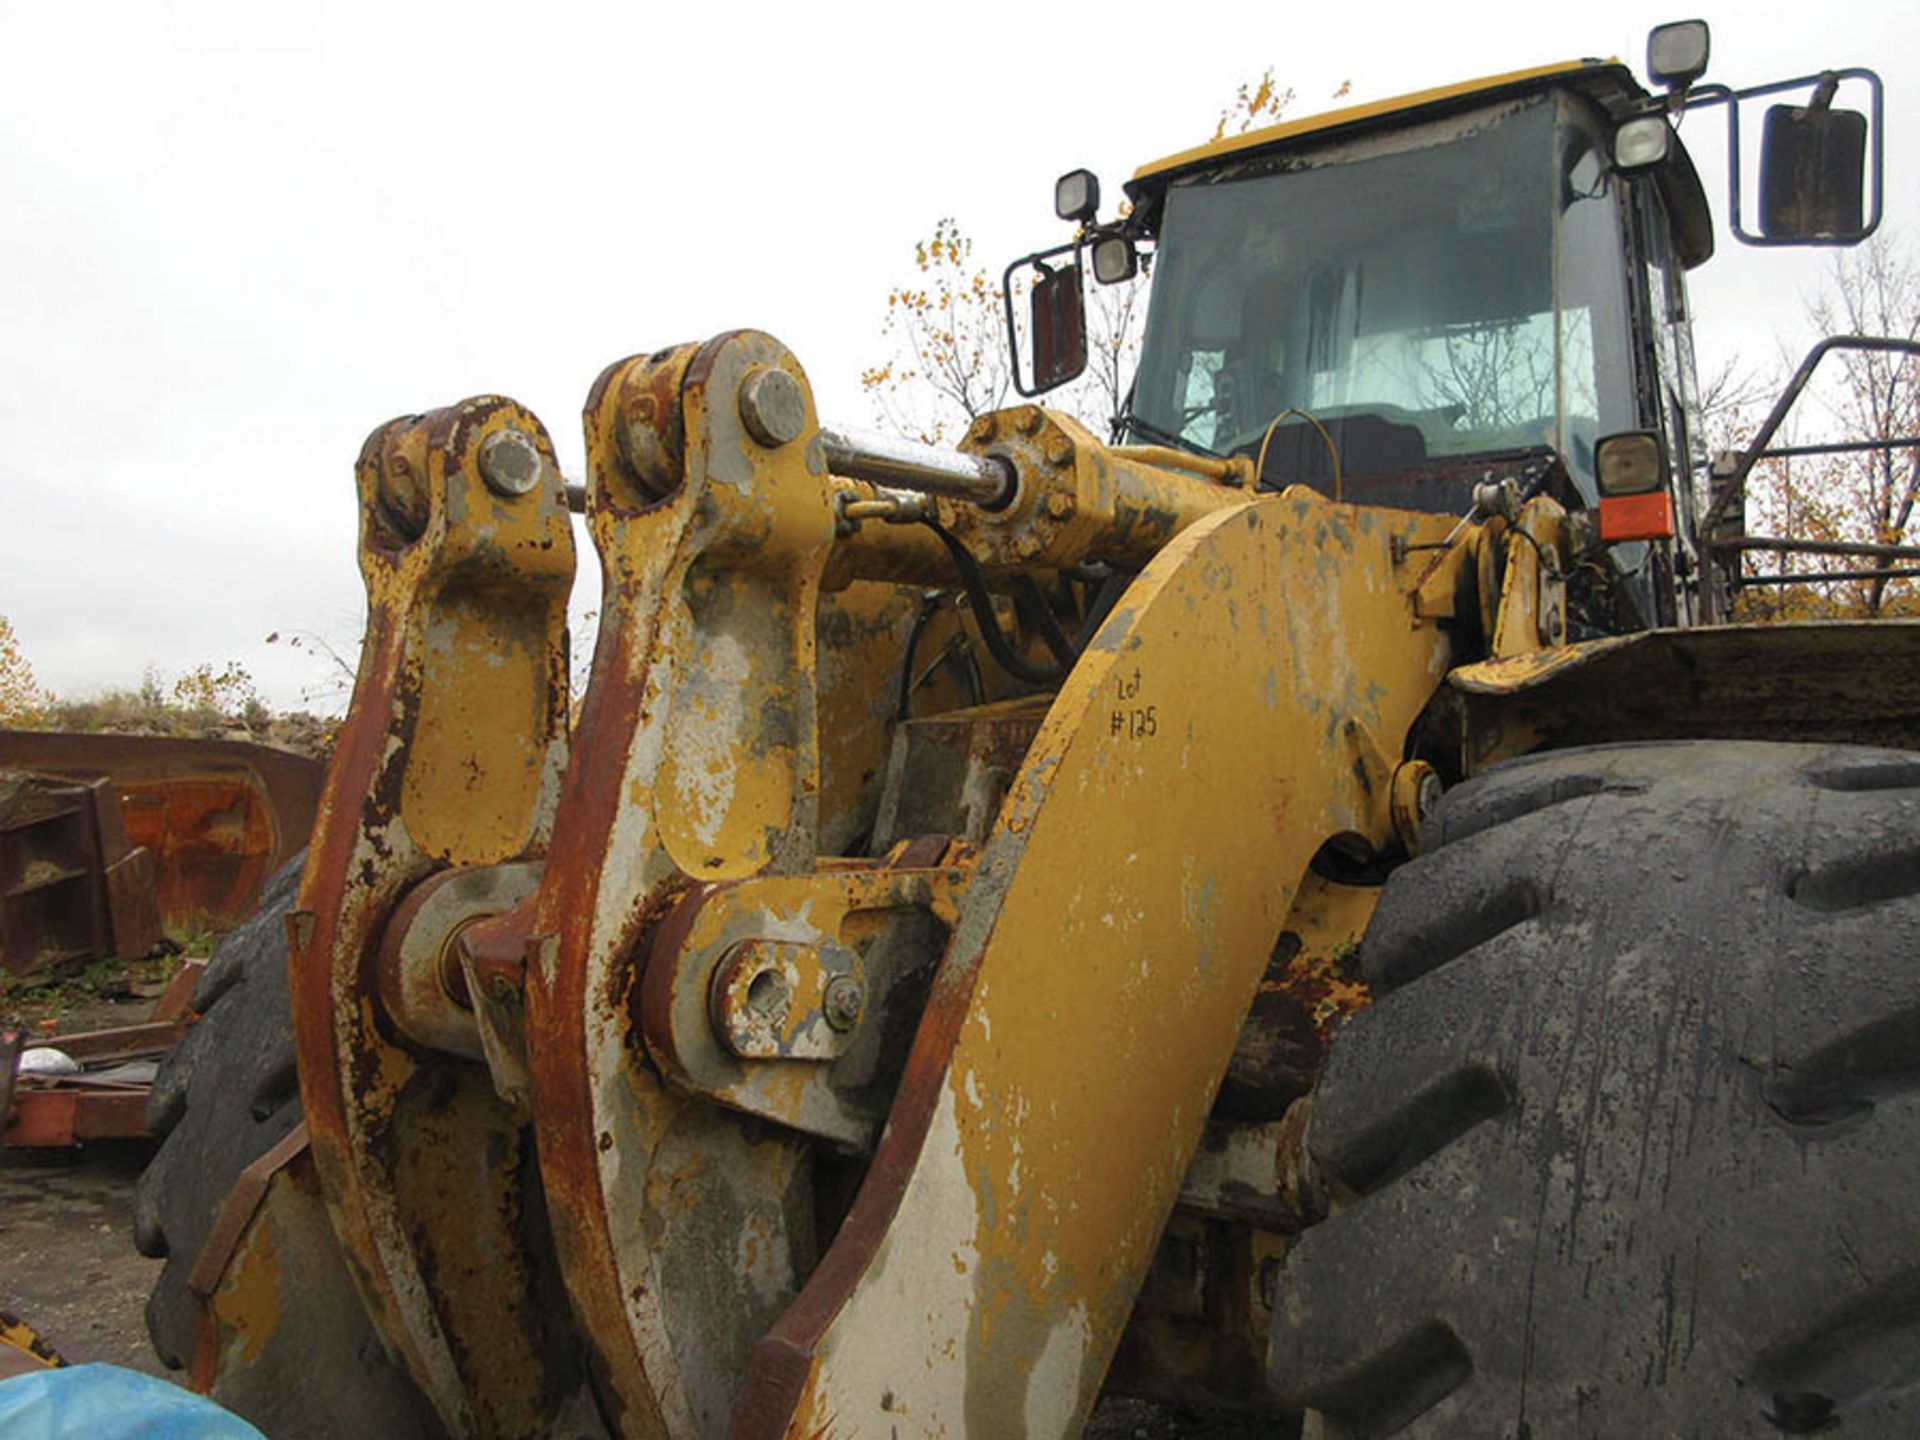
column 1303, row 912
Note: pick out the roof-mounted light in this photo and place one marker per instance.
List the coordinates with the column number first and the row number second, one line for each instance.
column 1677, row 53
column 1076, row 196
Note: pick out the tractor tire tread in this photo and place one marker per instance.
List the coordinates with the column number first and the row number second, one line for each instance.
column 1627, row 1143
column 221, row 1098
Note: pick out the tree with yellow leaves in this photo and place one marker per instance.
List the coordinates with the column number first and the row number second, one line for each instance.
column 21, row 698
column 949, row 360
column 947, row 328
column 948, row 333
column 1262, row 103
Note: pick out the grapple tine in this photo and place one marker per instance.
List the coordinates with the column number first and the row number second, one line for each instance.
column 683, row 1229
column 451, row 757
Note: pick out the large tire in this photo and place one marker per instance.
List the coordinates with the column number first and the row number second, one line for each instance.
column 223, row 1097
column 1629, row 1143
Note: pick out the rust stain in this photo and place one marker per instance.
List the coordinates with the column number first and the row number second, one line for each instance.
column 453, row 572
column 693, row 820
column 1311, row 984
column 1026, row 1157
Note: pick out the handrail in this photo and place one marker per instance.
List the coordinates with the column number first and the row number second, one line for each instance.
column 1735, row 488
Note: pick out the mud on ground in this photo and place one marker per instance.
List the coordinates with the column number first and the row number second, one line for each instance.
column 67, row 1262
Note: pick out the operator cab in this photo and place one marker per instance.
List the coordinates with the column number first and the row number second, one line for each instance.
column 1386, row 304
column 1398, row 302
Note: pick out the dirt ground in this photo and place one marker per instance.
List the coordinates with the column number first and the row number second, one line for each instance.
column 68, row 1266
column 67, row 1262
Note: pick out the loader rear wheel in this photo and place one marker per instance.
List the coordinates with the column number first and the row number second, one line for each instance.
column 222, row 1098
column 1629, row 1143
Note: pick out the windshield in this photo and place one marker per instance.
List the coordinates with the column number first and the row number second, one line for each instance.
column 1448, row 290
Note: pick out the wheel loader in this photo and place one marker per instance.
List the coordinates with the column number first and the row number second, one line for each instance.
column 1303, row 913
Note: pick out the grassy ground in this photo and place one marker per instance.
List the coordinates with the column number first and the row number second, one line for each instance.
column 98, row 996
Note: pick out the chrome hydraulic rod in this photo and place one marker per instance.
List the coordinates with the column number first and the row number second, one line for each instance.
column 986, row 480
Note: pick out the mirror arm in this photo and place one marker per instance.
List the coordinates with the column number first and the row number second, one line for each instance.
column 1825, row 85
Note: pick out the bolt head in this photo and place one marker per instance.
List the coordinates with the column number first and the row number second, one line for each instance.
column 1430, row 794
column 403, row 499
column 1414, row 793
column 983, row 429
column 1268, row 1282
column 843, row 1002
column 772, row 407
column 1059, row 504
column 510, row 463
column 1059, row 450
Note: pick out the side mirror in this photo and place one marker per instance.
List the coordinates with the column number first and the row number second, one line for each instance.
column 1056, row 320
column 1813, row 173
column 1815, row 160
column 1059, row 329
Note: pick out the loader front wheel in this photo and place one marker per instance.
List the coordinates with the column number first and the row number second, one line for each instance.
column 223, row 1097
column 1629, row 1143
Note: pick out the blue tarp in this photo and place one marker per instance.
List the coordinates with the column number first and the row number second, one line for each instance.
column 105, row 1402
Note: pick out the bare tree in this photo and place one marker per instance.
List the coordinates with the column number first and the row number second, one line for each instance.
column 946, row 328
column 1731, row 398
column 1876, row 291
column 1116, row 317
column 949, row 359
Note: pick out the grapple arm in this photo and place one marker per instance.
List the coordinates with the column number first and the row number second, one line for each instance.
column 826, row 1144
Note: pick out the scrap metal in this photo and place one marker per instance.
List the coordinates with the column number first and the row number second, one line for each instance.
column 72, row 888
column 217, row 817
column 106, row 1097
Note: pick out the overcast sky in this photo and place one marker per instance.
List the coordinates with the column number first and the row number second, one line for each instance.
column 239, row 236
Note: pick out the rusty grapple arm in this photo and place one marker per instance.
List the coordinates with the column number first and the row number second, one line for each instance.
column 746, row 1058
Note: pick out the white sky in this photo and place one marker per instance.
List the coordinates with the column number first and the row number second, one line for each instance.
column 239, row 236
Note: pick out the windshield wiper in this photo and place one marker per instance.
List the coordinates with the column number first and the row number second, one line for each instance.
column 1129, row 421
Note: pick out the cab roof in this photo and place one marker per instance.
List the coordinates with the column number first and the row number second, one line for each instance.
column 1201, row 157
column 1608, row 82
